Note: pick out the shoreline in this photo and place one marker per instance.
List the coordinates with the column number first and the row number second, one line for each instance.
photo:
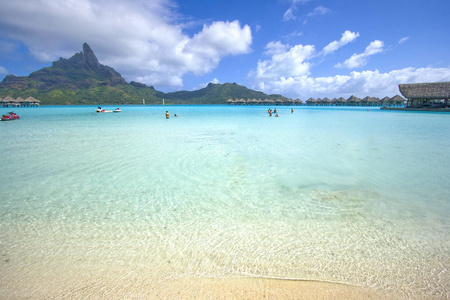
column 109, row 286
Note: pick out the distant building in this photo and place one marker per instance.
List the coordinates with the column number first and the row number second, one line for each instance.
column 423, row 95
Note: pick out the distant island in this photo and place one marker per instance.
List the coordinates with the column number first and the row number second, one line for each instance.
column 82, row 80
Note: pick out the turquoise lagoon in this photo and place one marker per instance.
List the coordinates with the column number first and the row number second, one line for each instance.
column 346, row 195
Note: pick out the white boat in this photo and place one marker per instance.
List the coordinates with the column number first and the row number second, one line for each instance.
column 101, row 110
column 117, row 110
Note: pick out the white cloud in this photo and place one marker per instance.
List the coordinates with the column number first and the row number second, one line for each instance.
column 3, row 71
column 403, row 39
column 203, row 85
column 288, row 72
column 359, row 60
column 290, row 13
column 346, row 38
column 318, row 11
column 138, row 38
column 361, row 84
column 285, row 61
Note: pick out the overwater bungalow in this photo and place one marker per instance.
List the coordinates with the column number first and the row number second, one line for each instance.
column 374, row 101
column 311, row 102
column 31, row 101
column 397, row 101
column 298, row 102
column 354, row 101
column 341, row 101
column 426, row 95
column 385, row 101
column 8, row 101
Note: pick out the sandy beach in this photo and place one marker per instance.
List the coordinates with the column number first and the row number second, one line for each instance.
column 114, row 287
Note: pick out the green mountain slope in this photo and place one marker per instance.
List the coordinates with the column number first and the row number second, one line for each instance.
column 81, row 79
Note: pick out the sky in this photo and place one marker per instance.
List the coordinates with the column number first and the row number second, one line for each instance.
column 296, row 48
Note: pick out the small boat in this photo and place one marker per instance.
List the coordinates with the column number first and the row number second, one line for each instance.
column 10, row 116
column 117, row 110
column 101, row 110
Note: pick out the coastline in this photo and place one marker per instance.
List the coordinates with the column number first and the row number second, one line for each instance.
column 136, row 286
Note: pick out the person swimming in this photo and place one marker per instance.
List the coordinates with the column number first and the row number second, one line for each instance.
column 167, row 114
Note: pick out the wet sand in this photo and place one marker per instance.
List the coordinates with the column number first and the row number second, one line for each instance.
column 135, row 286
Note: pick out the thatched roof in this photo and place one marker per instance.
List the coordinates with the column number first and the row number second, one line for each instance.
column 397, row 98
column 32, row 99
column 9, row 99
column 353, row 99
column 434, row 90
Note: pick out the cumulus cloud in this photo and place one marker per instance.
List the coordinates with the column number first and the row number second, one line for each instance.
column 293, row 61
column 288, row 71
column 284, row 61
column 138, row 38
column 361, row 84
column 346, row 38
column 359, row 60
column 403, row 39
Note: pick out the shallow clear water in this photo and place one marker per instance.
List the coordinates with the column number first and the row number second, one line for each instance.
column 334, row 194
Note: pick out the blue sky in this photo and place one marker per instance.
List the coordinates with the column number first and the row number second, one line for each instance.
column 297, row 48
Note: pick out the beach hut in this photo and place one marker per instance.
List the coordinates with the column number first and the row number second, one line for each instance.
column 397, row 101
column 20, row 101
column 34, row 102
column 8, row 101
column 252, row 101
column 385, row 101
column 27, row 102
column 278, row 102
column 240, row 101
column 432, row 94
column 298, row 102
column 311, row 102
column 365, row 101
column 353, row 101
column 341, row 101
column 326, row 101
column 230, row 101
column 374, row 101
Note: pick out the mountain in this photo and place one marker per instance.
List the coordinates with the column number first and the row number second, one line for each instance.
column 81, row 79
